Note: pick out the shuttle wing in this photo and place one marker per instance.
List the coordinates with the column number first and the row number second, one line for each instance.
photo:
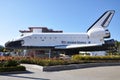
column 82, row 45
column 74, row 46
column 88, row 47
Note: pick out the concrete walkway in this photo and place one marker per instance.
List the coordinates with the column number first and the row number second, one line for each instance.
column 94, row 73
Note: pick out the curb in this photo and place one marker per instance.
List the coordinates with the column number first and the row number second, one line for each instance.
column 77, row 66
column 68, row 67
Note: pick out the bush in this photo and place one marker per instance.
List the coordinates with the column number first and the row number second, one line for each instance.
column 43, row 62
column 79, row 58
column 51, row 62
column 76, row 59
column 1, row 64
column 10, row 63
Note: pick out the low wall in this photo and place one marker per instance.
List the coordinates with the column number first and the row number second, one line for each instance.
column 77, row 66
column 68, row 67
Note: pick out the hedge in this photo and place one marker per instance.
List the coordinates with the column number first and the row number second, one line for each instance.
column 10, row 65
column 75, row 59
column 43, row 62
column 94, row 59
column 79, row 57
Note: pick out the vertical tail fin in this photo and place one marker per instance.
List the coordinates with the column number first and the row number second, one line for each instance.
column 104, row 20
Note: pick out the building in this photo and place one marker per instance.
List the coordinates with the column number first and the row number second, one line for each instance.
column 38, row 30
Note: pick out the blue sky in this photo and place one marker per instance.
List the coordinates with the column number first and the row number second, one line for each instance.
column 66, row 15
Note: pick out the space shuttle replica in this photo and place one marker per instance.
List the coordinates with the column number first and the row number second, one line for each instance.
column 92, row 40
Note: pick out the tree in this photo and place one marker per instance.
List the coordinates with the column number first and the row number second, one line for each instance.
column 1, row 48
column 114, row 50
column 118, row 46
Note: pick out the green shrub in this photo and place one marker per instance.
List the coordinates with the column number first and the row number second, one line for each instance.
column 43, row 62
column 55, row 62
column 28, row 60
column 49, row 62
column 35, row 60
column 1, row 64
column 79, row 57
column 76, row 59
column 10, row 63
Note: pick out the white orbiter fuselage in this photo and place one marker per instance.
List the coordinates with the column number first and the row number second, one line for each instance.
column 92, row 40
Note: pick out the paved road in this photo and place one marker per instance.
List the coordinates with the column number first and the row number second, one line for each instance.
column 96, row 73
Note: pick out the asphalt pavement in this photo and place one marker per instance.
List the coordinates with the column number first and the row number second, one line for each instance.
column 94, row 73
